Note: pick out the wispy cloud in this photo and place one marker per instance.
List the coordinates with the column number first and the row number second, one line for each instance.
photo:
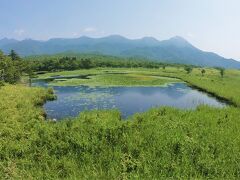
column 19, row 32
column 75, row 34
column 92, row 31
column 190, row 35
column 89, row 30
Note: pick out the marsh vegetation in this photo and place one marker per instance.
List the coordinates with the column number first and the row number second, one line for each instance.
column 163, row 142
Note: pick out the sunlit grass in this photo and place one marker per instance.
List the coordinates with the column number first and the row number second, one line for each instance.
column 103, row 79
column 161, row 143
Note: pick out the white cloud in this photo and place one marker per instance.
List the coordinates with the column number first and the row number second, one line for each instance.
column 191, row 35
column 89, row 30
column 19, row 32
column 75, row 34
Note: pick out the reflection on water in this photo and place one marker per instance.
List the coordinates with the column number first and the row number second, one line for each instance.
column 71, row 100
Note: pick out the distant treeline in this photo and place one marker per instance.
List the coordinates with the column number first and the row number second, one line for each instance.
column 12, row 66
column 85, row 61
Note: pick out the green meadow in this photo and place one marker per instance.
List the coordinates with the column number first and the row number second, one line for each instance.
column 158, row 144
column 106, row 79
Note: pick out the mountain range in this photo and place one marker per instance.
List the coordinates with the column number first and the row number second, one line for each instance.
column 174, row 50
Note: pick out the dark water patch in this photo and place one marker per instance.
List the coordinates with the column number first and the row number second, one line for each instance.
column 60, row 78
column 69, row 77
column 116, row 73
column 41, row 72
column 71, row 100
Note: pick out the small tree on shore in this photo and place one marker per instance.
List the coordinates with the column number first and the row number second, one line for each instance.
column 222, row 72
column 188, row 69
column 203, row 71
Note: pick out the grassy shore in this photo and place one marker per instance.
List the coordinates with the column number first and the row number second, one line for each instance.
column 161, row 143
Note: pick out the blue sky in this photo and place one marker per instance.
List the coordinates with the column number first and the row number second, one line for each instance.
column 211, row 25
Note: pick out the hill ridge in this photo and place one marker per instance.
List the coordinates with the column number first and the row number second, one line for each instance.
column 173, row 50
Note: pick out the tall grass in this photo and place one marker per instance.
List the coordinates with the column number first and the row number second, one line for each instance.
column 158, row 144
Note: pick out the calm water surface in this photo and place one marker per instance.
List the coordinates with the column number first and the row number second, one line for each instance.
column 71, row 100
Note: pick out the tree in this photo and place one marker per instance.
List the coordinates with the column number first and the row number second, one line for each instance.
column 188, row 69
column 14, row 56
column 10, row 70
column 222, row 72
column 2, row 74
column 203, row 72
column 86, row 64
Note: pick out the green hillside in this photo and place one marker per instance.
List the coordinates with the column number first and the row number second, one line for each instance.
column 174, row 50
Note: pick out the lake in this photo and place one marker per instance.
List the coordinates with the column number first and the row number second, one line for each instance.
column 71, row 100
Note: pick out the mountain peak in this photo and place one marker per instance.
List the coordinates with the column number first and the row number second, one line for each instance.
column 115, row 37
column 178, row 38
column 149, row 38
column 84, row 37
column 6, row 41
column 151, row 41
column 178, row 41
